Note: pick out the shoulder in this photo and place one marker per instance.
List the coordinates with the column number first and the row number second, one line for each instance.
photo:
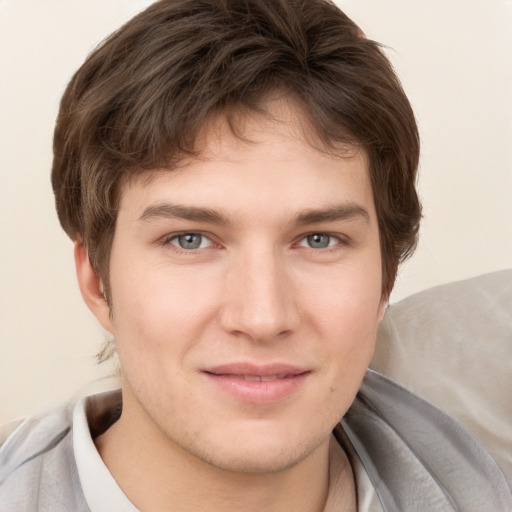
column 32, row 438
column 8, row 428
column 417, row 456
column 452, row 345
column 37, row 468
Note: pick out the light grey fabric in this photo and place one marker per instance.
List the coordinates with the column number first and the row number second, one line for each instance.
column 37, row 467
column 418, row 458
column 452, row 345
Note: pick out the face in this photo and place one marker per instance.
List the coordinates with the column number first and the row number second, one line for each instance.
column 246, row 294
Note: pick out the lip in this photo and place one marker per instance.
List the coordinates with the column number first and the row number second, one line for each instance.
column 257, row 384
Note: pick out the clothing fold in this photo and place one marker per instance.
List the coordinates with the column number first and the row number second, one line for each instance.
column 419, row 458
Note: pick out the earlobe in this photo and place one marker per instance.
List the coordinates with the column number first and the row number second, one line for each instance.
column 91, row 287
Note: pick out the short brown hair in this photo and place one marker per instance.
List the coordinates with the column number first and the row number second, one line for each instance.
column 139, row 100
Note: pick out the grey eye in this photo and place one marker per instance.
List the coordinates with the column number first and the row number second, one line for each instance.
column 189, row 241
column 318, row 240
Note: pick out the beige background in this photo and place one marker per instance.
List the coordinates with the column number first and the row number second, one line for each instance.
column 454, row 58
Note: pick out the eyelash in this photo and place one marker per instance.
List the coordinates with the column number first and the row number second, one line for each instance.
column 340, row 241
column 168, row 239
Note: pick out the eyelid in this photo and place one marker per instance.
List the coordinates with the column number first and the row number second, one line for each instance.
column 342, row 239
column 167, row 239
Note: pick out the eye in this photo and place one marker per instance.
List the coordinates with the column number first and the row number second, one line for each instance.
column 319, row 241
column 190, row 241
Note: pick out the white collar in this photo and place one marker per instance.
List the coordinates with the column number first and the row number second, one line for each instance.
column 99, row 487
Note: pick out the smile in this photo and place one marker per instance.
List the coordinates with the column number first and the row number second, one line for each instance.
column 257, row 384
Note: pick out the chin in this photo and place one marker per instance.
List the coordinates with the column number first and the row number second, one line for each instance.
column 257, row 452
column 257, row 460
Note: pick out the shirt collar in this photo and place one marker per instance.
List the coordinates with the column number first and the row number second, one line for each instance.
column 100, row 489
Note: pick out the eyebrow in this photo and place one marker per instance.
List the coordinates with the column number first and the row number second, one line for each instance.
column 183, row 212
column 334, row 213
column 309, row 216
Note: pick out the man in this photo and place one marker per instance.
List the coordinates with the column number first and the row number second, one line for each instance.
column 238, row 179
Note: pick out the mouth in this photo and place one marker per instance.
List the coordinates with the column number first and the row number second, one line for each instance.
column 261, row 378
column 257, row 384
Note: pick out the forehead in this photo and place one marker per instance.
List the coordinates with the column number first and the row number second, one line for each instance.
column 259, row 157
column 280, row 115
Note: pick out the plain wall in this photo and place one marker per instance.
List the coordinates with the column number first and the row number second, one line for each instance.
column 454, row 59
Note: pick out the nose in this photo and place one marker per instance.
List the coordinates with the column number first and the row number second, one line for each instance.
column 260, row 303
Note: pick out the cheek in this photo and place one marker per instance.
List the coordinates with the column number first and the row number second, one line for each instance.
column 348, row 301
column 161, row 307
column 349, row 354
column 347, row 315
column 352, row 334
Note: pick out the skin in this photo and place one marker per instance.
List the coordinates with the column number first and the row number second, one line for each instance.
column 259, row 289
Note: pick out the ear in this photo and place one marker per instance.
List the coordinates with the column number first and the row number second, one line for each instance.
column 91, row 287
